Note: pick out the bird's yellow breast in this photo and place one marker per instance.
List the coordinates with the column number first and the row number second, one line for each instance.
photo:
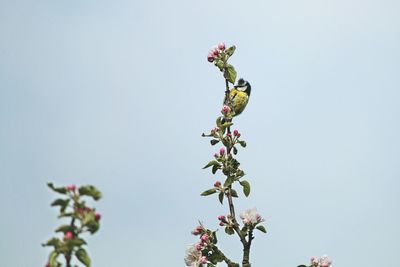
column 238, row 100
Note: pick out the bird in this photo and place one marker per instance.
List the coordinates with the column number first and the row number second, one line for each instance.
column 238, row 97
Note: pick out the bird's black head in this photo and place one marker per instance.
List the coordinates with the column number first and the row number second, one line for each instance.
column 244, row 86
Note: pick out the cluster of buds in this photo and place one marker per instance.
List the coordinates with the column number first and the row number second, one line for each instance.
column 236, row 133
column 215, row 52
column 204, row 238
column 221, row 154
column 82, row 211
column 194, row 253
column 322, row 261
column 214, row 132
column 222, row 220
column 251, row 217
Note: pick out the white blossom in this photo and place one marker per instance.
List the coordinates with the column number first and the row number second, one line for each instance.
column 251, row 216
column 193, row 256
column 323, row 261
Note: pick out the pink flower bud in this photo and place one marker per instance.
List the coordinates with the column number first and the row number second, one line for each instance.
column 199, row 246
column 221, row 218
column 71, row 187
column 235, row 132
column 68, row 235
column 203, row 260
column 216, row 155
column 221, row 223
column 47, row 265
column 217, row 184
column 215, row 51
column 238, row 135
column 229, row 134
column 225, row 109
column 222, row 151
column 204, row 237
column 258, row 218
column 97, row 217
column 198, row 230
column 210, row 57
column 221, row 46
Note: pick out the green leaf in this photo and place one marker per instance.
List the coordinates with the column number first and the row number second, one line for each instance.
column 215, row 169
column 214, row 142
column 221, row 197
column 211, row 163
column 209, row 192
column 229, row 230
column 242, row 143
column 83, row 257
column 240, row 173
column 227, row 124
column 230, row 74
column 91, row 191
column 61, row 190
column 234, row 193
column 219, row 121
column 88, row 218
column 55, row 242
column 65, row 228
column 76, row 242
column 229, row 181
column 246, row 187
column 261, row 228
column 230, row 50
column 215, row 257
column 225, row 142
column 63, row 203
column 235, row 151
column 93, row 226
column 214, row 235
column 220, row 64
column 53, row 258
column 244, row 230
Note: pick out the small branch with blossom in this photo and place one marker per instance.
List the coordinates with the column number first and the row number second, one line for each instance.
column 83, row 219
column 206, row 250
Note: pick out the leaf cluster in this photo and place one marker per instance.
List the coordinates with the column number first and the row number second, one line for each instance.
column 83, row 219
column 221, row 62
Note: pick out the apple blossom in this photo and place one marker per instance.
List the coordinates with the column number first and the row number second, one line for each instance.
column 250, row 217
column 192, row 257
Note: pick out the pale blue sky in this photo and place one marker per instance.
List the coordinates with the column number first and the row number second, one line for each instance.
column 117, row 93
